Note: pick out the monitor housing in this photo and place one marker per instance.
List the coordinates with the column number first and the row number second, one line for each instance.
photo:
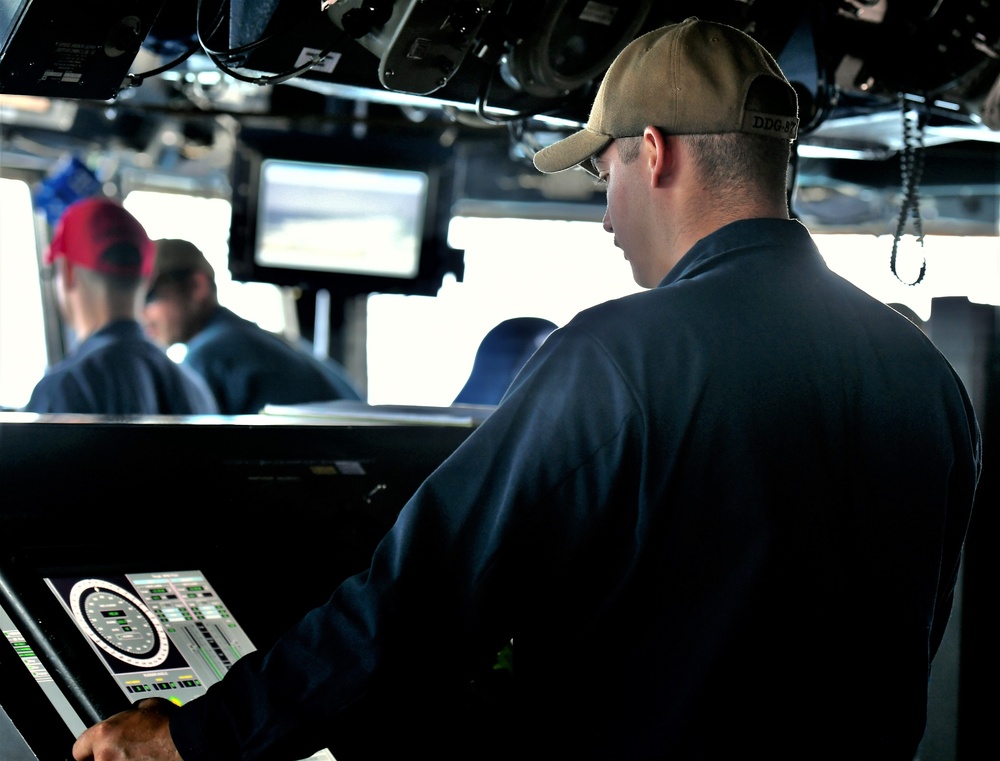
column 318, row 211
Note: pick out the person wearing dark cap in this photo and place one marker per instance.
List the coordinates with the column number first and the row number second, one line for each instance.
column 719, row 517
column 246, row 366
column 102, row 259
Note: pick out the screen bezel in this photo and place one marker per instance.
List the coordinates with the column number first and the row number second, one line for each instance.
column 388, row 154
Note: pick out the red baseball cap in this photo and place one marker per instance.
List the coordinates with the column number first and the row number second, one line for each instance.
column 99, row 234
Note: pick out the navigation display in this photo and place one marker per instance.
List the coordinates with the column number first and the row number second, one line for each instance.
column 164, row 634
column 39, row 675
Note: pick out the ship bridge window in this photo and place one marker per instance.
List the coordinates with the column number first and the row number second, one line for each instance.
column 421, row 349
column 22, row 328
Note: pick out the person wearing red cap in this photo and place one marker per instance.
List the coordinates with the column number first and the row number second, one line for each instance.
column 102, row 258
column 719, row 518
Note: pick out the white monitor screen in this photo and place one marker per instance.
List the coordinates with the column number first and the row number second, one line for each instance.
column 340, row 219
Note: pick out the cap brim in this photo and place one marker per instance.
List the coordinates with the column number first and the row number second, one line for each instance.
column 571, row 151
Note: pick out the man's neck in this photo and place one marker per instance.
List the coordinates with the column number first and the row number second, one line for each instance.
column 90, row 321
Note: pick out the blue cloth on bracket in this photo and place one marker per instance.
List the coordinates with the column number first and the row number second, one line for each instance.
column 501, row 355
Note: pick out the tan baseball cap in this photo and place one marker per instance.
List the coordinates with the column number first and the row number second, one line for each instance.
column 693, row 77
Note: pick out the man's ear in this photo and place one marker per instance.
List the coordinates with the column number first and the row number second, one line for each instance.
column 658, row 153
column 201, row 286
column 66, row 270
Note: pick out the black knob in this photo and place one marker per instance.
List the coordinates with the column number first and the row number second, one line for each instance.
column 360, row 21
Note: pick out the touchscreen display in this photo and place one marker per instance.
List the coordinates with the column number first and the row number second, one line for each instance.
column 166, row 634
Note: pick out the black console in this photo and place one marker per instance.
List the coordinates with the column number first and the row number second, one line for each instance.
column 144, row 559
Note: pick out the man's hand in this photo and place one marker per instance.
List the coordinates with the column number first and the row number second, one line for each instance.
column 142, row 732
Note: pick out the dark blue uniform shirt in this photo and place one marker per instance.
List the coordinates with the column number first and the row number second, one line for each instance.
column 717, row 518
column 247, row 367
column 118, row 371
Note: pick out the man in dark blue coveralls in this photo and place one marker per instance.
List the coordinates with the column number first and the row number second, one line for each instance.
column 246, row 366
column 719, row 518
column 102, row 259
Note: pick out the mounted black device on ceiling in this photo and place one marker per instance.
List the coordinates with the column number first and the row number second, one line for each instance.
column 569, row 43
column 420, row 45
column 72, row 50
